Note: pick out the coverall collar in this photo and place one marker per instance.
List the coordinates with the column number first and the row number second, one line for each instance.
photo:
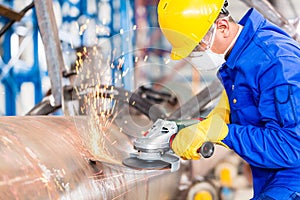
column 251, row 22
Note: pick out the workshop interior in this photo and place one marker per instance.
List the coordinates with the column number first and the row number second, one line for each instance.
column 90, row 100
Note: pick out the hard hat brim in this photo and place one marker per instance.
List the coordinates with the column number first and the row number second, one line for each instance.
column 181, row 53
column 184, row 51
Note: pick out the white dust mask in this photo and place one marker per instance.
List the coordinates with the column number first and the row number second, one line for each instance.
column 206, row 60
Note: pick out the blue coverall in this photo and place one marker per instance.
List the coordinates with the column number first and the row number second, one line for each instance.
column 262, row 80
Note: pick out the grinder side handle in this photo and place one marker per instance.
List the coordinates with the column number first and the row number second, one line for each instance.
column 206, row 150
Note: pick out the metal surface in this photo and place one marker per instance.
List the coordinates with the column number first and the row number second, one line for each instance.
column 49, row 34
column 197, row 103
column 158, row 137
column 13, row 16
column 10, row 13
column 136, row 163
column 272, row 14
column 53, row 158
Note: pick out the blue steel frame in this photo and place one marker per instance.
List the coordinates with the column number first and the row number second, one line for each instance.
column 13, row 81
column 127, row 47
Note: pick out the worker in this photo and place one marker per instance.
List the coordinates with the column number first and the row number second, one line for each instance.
column 258, row 115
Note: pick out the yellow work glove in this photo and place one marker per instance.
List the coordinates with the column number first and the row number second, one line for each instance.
column 189, row 139
column 222, row 108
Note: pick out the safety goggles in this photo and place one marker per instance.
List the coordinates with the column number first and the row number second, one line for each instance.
column 207, row 40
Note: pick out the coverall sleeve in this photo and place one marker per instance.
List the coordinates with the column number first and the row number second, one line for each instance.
column 275, row 144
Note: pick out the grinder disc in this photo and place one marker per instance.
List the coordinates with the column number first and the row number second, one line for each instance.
column 136, row 163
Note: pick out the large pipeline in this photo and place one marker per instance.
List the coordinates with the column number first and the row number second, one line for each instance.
column 49, row 157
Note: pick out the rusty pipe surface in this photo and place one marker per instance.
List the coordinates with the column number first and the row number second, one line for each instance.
column 46, row 157
column 49, row 33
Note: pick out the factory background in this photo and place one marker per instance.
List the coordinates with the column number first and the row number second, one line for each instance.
column 24, row 76
column 47, row 61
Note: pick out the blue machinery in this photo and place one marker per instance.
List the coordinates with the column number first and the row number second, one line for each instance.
column 117, row 15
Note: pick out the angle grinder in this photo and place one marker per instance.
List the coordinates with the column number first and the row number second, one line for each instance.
column 154, row 149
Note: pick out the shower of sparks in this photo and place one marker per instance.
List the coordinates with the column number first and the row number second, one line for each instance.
column 145, row 58
column 125, row 72
column 100, row 103
column 84, row 27
column 167, row 61
column 98, row 98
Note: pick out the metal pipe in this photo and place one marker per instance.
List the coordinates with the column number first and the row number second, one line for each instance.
column 196, row 104
column 49, row 34
column 13, row 16
column 51, row 158
column 265, row 7
column 287, row 8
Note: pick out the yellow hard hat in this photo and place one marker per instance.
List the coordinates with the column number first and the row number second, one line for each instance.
column 185, row 22
column 203, row 195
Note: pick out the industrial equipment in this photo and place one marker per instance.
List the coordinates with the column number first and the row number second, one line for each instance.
column 154, row 149
column 51, row 157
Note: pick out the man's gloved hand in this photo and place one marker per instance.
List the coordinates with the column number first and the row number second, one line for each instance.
column 222, row 108
column 188, row 140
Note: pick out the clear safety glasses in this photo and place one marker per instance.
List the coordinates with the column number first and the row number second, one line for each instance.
column 207, row 40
